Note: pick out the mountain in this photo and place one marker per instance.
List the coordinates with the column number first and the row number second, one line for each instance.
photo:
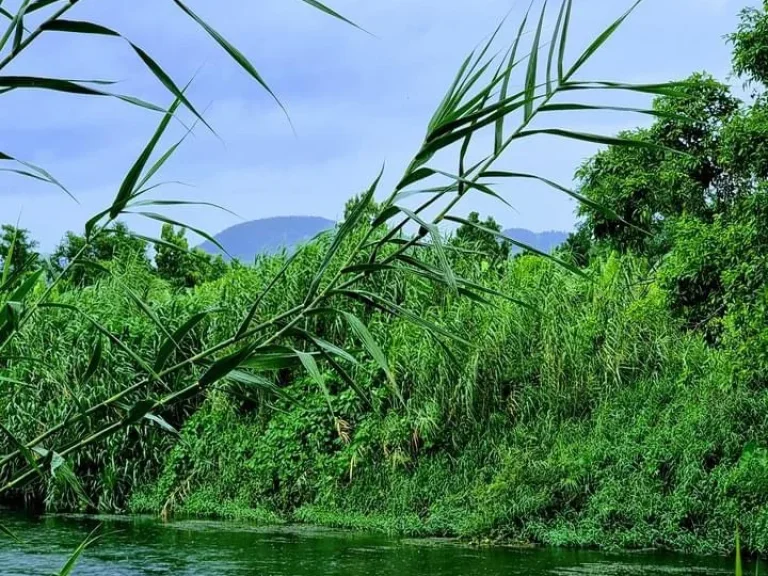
column 267, row 235
column 544, row 241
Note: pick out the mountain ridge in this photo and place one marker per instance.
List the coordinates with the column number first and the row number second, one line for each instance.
column 246, row 240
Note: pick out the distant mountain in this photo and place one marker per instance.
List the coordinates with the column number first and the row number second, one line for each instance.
column 269, row 235
column 266, row 236
column 544, row 241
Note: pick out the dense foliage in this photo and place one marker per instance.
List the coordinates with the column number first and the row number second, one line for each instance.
column 611, row 396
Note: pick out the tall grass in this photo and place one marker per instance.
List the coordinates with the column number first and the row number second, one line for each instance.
column 361, row 248
column 97, row 378
column 590, row 420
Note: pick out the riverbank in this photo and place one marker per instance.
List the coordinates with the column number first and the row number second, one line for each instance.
column 134, row 546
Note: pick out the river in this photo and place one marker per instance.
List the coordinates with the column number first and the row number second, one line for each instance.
column 141, row 546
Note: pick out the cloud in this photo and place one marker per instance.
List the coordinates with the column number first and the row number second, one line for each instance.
column 356, row 101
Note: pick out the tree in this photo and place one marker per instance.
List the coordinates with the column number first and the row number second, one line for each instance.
column 182, row 267
column 647, row 186
column 115, row 243
column 750, row 45
column 469, row 236
column 371, row 210
column 701, row 216
column 23, row 254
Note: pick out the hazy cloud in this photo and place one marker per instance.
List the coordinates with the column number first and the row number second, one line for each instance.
column 356, row 101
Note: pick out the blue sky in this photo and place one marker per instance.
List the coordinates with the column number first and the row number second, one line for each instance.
column 356, row 101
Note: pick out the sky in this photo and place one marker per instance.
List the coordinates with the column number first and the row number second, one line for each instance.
column 357, row 101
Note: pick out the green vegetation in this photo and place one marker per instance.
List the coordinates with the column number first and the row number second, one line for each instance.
column 610, row 395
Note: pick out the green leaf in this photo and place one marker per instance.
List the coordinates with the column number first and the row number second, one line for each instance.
column 38, row 4
column 670, row 89
column 256, row 381
column 348, row 380
column 198, row 231
column 233, row 52
column 563, row 107
column 60, row 469
column 77, row 27
column 81, row 27
column 563, row 40
column 600, row 40
column 112, row 338
column 148, row 312
column 266, row 358
column 308, row 361
column 75, row 557
column 499, row 132
column 138, row 411
column 597, row 139
column 162, row 423
column 364, row 335
column 28, row 454
column 70, row 87
column 344, row 230
column 437, row 242
column 323, row 8
column 223, row 366
column 581, row 198
column 7, row 531
column 128, row 185
column 94, row 362
column 8, row 256
column 393, row 309
column 244, row 325
column 324, row 345
column 13, row 25
column 553, row 45
column 19, row 33
column 533, row 63
column 174, row 339
column 39, row 173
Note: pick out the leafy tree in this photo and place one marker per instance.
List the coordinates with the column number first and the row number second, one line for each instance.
column 24, row 255
column 750, row 45
column 702, row 215
column 647, row 186
column 468, row 235
column 182, row 267
column 371, row 210
column 115, row 243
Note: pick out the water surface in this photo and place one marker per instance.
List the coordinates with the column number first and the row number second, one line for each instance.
column 141, row 546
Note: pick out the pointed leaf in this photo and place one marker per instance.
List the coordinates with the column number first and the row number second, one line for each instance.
column 572, row 193
column 94, row 362
column 128, row 185
column 499, row 133
column 7, row 531
column 75, row 557
column 437, row 242
column 344, row 230
column 533, row 64
column 564, row 41
column 175, row 339
column 233, row 52
column 348, row 380
column 323, row 8
column 553, row 45
column 68, row 86
column 600, row 40
column 308, row 361
column 364, row 335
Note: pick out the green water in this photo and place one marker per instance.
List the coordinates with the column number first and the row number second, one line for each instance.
column 135, row 546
